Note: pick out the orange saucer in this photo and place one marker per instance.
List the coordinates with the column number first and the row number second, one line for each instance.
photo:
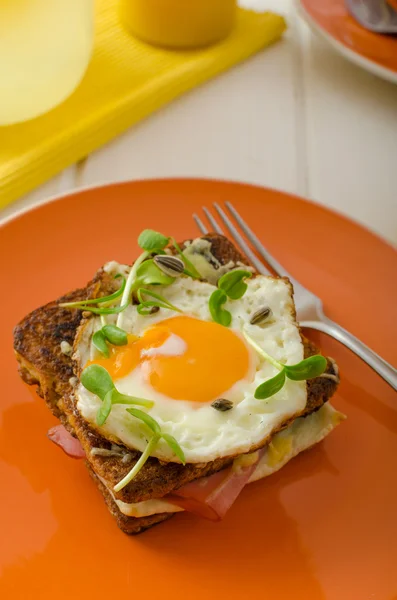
column 323, row 528
column 374, row 52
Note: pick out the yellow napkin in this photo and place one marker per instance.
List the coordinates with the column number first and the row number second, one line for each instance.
column 125, row 82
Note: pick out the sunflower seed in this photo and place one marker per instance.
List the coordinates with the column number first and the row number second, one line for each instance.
column 66, row 348
column 222, row 404
column 126, row 458
column 335, row 375
column 329, row 376
column 261, row 315
column 105, row 452
column 170, row 265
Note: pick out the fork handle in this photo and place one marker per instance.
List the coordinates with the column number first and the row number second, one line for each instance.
column 378, row 364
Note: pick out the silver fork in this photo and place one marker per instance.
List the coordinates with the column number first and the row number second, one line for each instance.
column 309, row 307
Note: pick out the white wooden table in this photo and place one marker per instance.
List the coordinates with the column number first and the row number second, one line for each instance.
column 297, row 117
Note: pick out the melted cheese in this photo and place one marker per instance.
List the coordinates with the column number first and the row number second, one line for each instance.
column 199, row 253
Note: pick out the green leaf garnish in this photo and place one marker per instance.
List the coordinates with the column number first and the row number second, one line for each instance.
column 145, row 306
column 218, row 313
column 175, row 447
column 115, row 335
column 115, row 397
column 233, row 283
column 104, row 409
column 271, row 386
column 111, row 298
column 147, row 419
column 97, row 380
column 307, row 369
column 190, row 268
column 149, row 274
column 138, row 466
column 155, row 427
column 150, row 240
column 99, row 341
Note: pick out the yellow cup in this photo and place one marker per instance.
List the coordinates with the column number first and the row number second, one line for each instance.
column 179, row 23
column 45, row 48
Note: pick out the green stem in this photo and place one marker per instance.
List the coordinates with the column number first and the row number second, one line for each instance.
column 129, row 285
column 103, row 320
column 103, row 311
column 161, row 302
column 104, row 300
column 138, row 466
column 264, row 354
column 120, row 398
column 191, row 271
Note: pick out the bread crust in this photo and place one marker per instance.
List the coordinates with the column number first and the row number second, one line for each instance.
column 130, row 525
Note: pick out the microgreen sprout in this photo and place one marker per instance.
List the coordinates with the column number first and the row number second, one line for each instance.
column 126, row 297
column 175, row 447
column 99, row 341
column 218, row 313
column 115, row 335
column 85, row 304
column 145, row 306
column 151, row 240
column 143, row 272
column 109, row 333
column 154, row 440
column 230, row 285
column 233, row 283
column 309, row 368
column 114, row 310
column 138, row 465
column 97, row 380
column 145, row 418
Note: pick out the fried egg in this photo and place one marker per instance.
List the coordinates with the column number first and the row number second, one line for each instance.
column 183, row 362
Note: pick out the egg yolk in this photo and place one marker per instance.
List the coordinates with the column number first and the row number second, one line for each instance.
column 212, row 360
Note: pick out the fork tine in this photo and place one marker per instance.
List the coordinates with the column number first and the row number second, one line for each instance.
column 213, row 221
column 275, row 265
column 200, row 224
column 259, row 266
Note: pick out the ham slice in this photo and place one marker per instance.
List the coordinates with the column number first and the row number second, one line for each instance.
column 62, row 438
column 208, row 497
column 211, row 497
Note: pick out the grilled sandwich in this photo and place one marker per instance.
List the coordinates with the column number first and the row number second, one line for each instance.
column 179, row 380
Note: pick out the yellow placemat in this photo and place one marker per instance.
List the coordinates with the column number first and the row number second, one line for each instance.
column 126, row 81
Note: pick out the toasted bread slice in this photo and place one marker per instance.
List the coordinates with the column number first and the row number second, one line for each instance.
column 37, row 342
column 130, row 525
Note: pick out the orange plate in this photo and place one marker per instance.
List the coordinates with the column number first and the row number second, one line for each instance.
column 325, row 527
column 376, row 52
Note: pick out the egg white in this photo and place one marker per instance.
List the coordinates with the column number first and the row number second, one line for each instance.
column 203, row 432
